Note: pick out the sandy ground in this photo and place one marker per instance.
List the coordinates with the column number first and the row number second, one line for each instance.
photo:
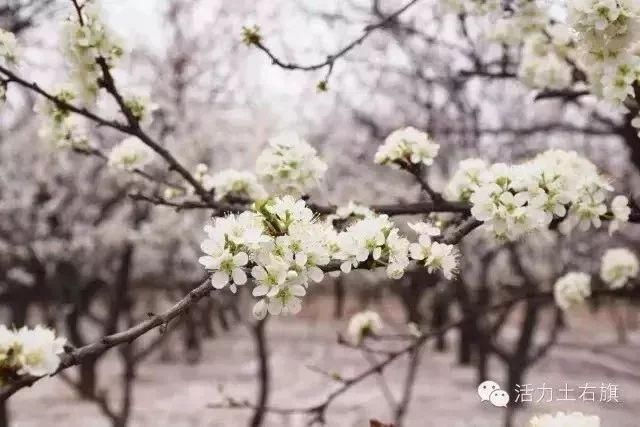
column 177, row 395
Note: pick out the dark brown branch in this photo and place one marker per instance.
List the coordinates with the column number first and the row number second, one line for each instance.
column 77, row 356
column 330, row 60
column 317, row 412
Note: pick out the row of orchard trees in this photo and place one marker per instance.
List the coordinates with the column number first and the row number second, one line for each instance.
column 279, row 245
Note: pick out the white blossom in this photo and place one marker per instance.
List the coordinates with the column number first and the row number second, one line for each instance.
column 8, row 47
column 131, row 153
column 513, row 200
column 375, row 239
column 363, row 324
column 227, row 267
column 60, row 128
column 542, row 66
column 405, row 147
column 621, row 211
column 425, row 228
column 472, row 7
column 38, row 351
column 466, row 179
column 289, row 165
column 234, row 184
column 8, row 341
column 574, row 419
column 281, row 244
column 352, row 209
column 435, row 255
column 572, row 289
column 607, row 32
column 618, row 266
column 84, row 43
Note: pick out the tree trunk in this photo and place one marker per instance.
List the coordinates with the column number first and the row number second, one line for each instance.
column 409, row 383
column 87, row 381
column 520, row 360
column 482, row 360
column 4, row 414
column 440, row 318
column 466, row 329
column 339, row 293
column 264, row 375
column 631, row 139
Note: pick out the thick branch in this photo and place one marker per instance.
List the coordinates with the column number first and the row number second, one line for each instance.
column 79, row 355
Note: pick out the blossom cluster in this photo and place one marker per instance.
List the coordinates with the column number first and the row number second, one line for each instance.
column 516, row 199
column 363, row 324
column 87, row 39
column 544, row 63
column 60, row 128
column 29, row 351
column 283, row 246
column 352, row 210
column 433, row 255
column 561, row 419
column 620, row 211
column 618, row 266
column 374, row 239
column 289, row 165
column 572, row 290
column 466, row 179
column 406, row 147
column 472, row 7
column 607, row 32
column 598, row 38
column 528, row 18
column 131, row 153
column 234, row 184
column 8, row 47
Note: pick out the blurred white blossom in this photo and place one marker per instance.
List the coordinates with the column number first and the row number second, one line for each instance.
column 131, row 153
column 235, row 184
column 289, row 165
column 363, row 324
column 618, row 266
column 574, row 419
column 30, row 351
column 8, row 47
column 572, row 289
column 405, row 147
column 621, row 211
column 86, row 40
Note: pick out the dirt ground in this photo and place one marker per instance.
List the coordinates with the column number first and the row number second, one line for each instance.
column 177, row 394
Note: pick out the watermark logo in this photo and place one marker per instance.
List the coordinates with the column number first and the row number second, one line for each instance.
column 587, row 392
column 491, row 391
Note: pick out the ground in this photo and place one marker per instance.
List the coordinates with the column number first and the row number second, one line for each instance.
column 177, row 395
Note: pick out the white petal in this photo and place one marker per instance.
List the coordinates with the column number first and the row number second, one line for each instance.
column 294, row 306
column 219, row 279
column 298, row 291
column 260, row 310
column 316, row 274
column 239, row 276
column 241, row 259
column 207, row 261
column 260, row 290
column 259, row 273
column 345, row 267
column 301, row 259
column 275, row 307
